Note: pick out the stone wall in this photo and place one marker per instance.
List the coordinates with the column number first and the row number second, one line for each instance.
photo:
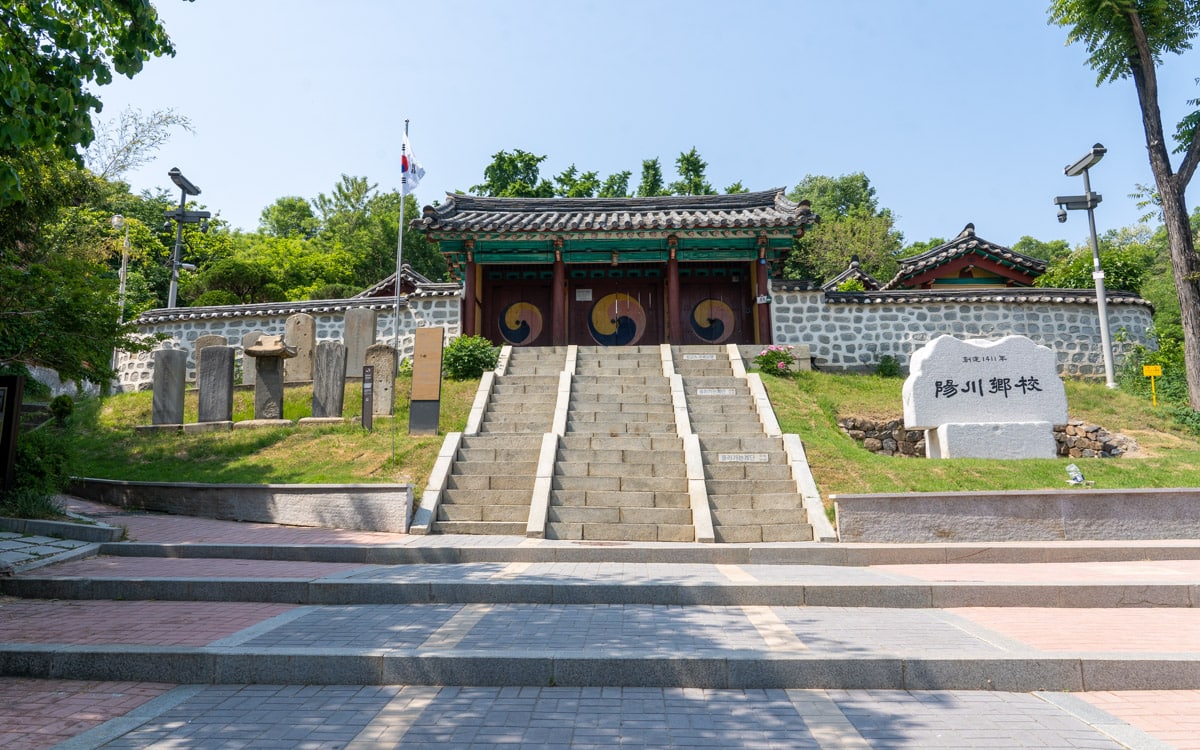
column 182, row 326
column 854, row 330
column 1075, row 439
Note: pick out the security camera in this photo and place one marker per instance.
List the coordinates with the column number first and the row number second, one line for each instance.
column 1062, row 216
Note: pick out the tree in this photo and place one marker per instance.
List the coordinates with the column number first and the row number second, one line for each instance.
column 852, row 223
column 51, row 51
column 691, row 175
column 616, row 185
column 1125, row 256
column 514, row 175
column 917, row 248
column 1052, row 250
column 652, row 180
column 58, row 302
column 1128, row 39
column 736, row 187
column 572, row 184
column 131, row 140
column 290, row 216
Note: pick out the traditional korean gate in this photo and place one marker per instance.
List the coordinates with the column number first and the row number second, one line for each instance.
column 616, row 312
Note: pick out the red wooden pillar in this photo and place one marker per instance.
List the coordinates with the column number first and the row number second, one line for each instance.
column 763, row 289
column 558, row 298
column 470, row 311
column 674, row 310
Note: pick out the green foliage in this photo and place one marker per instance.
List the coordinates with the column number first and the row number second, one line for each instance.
column 514, row 175
column 735, row 188
column 1185, row 416
column 652, row 180
column 289, row 216
column 468, row 357
column 53, row 55
column 1052, row 250
column 616, row 185
column 691, row 175
column 776, row 360
column 852, row 285
column 62, row 407
column 131, row 141
column 918, row 248
column 571, row 184
column 43, row 462
column 26, row 503
column 333, row 291
column 888, row 367
column 1105, row 29
column 1171, row 387
column 1124, row 256
column 852, row 223
column 216, row 298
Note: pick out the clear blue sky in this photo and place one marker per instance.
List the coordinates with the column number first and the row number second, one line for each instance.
column 957, row 110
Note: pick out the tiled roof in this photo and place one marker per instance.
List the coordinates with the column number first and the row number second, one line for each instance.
column 853, row 271
column 424, row 287
column 926, row 296
column 471, row 213
column 966, row 242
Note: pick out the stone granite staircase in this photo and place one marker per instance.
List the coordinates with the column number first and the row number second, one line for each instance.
column 602, row 427
column 620, row 472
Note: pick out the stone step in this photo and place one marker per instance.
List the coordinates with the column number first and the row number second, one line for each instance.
column 525, row 406
column 539, row 370
column 527, row 442
column 630, row 457
column 498, row 454
column 482, row 512
column 531, row 427
column 741, row 471
column 648, row 379
column 547, row 379
column 615, row 428
column 494, row 468
column 590, row 468
column 482, row 528
column 477, row 482
column 801, row 532
column 701, row 427
column 750, row 486
column 789, row 501
column 722, row 416
column 620, row 514
column 620, row 532
column 463, row 496
column 517, row 390
column 590, row 412
column 618, row 484
column 653, row 443
column 658, row 396
column 740, row 444
column 757, row 516
column 606, row 499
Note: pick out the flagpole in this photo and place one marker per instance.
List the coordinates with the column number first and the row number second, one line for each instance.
column 399, row 265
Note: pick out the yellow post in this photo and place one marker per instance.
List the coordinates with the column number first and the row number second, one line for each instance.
column 1152, row 371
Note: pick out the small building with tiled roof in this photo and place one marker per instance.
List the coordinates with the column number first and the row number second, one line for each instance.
column 967, row 262
column 853, row 272
column 617, row 271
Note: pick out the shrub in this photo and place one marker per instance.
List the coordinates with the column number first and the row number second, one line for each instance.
column 26, row 503
column 216, row 298
column 468, row 357
column 888, row 367
column 852, row 285
column 41, row 471
column 62, row 407
column 777, row 360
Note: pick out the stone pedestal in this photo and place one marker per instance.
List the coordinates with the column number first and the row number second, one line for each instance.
column 269, row 353
column 247, row 366
column 170, row 372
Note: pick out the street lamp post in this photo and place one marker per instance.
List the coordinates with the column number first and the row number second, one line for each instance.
column 182, row 216
column 118, row 222
column 1088, row 202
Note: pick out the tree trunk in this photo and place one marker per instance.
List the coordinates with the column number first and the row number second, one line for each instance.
column 1185, row 264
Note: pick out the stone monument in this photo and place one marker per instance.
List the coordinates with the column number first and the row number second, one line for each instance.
column 358, row 335
column 329, row 383
column 383, row 358
column 985, row 399
column 300, row 333
column 215, row 383
column 269, row 353
column 170, row 377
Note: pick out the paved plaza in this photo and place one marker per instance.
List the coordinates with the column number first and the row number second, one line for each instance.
column 196, row 633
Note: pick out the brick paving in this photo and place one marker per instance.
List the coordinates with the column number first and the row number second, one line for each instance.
column 143, row 623
column 37, row 714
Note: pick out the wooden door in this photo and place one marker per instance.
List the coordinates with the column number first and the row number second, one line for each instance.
column 518, row 314
column 716, row 312
column 616, row 312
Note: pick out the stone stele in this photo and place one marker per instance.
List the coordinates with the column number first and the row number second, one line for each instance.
column 985, row 399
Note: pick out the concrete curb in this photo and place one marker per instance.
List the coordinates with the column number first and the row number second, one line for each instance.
column 439, row 476
column 327, row 591
column 744, row 670
column 84, row 532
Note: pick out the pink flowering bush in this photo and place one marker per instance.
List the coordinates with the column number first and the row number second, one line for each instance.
column 777, row 360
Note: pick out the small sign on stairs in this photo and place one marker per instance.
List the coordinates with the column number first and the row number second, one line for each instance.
column 716, row 392
column 743, row 458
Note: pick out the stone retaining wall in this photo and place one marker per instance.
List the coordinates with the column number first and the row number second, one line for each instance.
column 361, row 507
column 854, row 330
column 1075, row 439
column 1019, row 516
